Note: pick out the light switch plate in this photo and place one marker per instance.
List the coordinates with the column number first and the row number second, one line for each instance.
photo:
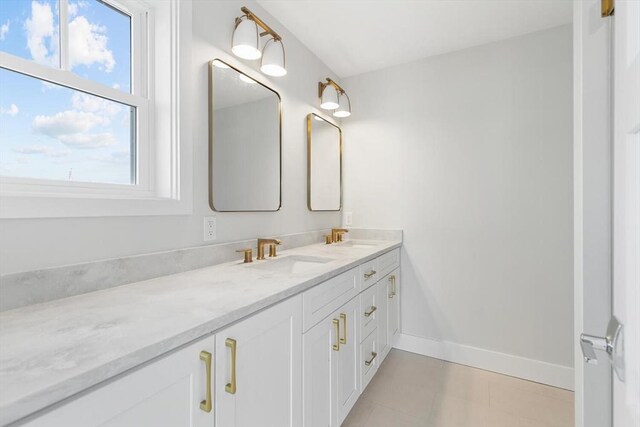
column 210, row 228
column 348, row 218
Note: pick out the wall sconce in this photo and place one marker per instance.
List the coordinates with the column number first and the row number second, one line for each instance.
column 333, row 97
column 245, row 43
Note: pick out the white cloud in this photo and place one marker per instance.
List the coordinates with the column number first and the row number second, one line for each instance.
column 11, row 111
column 68, row 122
column 88, row 140
column 42, row 39
column 42, row 149
column 88, row 44
column 74, row 7
column 4, row 29
column 118, row 157
column 94, row 104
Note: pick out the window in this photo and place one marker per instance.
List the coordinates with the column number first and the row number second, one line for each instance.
column 77, row 112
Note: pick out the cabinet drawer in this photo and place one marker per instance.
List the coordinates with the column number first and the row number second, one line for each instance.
column 324, row 299
column 369, row 311
column 369, row 359
column 388, row 262
column 368, row 274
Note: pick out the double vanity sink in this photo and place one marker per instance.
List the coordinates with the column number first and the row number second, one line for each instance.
column 171, row 339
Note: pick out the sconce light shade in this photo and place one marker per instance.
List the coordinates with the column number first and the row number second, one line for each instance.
column 273, row 63
column 329, row 99
column 344, row 109
column 245, row 42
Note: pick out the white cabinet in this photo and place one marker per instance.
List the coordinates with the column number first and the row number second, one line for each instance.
column 320, row 373
column 348, row 366
column 259, row 369
column 331, row 368
column 389, row 312
column 167, row 392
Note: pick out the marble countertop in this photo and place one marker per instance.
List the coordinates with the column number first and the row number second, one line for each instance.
column 53, row 350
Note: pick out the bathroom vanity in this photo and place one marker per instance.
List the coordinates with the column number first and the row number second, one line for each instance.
column 288, row 341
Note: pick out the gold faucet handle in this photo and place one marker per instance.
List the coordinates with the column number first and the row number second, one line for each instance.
column 248, row 255
column 272, row 250
column 328, row 239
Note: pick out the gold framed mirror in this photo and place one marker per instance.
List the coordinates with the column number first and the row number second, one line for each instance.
column 324, row 164
column 245, row 142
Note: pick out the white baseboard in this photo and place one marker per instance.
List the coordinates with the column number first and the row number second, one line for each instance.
column 502, row 363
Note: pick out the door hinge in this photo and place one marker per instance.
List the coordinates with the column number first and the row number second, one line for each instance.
column 607, row 7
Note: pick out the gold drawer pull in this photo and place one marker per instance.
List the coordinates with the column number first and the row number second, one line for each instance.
column 343, row 339
column 207, row 404
column 336, row 346
column 371, row 311
column 233, row 345
column 370, row 361
column 370, row 274
column 392, row 280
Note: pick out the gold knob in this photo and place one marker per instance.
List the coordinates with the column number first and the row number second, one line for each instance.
column 248, row 255
column 272, row 250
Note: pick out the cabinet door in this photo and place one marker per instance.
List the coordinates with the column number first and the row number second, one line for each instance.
column 167, row 392
column 383, row 317
column 320, row 372
column 393, row 285
column 348, row 367
column 259, row 369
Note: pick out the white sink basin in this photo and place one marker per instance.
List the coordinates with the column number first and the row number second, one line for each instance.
column 291, row 264
column 357, row 244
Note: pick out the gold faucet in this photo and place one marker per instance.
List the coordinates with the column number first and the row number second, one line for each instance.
column 336, row 234
column 272, row 247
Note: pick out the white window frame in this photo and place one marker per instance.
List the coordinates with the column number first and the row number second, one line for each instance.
column 161, row 185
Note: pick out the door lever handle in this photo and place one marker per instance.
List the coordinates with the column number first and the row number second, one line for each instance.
column 589, row 346
column 611, row 344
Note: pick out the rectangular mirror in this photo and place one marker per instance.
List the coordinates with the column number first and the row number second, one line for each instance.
column 324, row 164
column 244, row 142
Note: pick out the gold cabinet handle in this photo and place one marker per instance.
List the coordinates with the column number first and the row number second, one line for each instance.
column 370, row 361
column 392, row 280
column 207, row 404
column 370, row 274
column 343, row 339
column 336, row 324
column 232, row 345
column 371, row 311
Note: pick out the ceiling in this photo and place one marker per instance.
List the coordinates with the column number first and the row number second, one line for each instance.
column 357, row 36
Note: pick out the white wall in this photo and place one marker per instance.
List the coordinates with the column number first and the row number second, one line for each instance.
column 39, row 243
column 470, row 153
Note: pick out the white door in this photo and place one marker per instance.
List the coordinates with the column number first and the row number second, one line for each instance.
column 348, row 367
column 393, row 325
column 259, row 369
column 171, row 392
column 626, row 209
column 320, row 373
column 383, row 320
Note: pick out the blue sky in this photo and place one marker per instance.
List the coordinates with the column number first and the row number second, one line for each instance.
column 53, row 132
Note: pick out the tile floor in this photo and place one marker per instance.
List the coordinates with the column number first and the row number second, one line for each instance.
column 410, row 390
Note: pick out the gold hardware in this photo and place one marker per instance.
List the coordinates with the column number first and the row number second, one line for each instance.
column 310, row 119
column 343, row 317
column 371, row 311
column 321, row 87
column 370, row 274
column 232, row 345
column 336, row 324
column 336, row 234
column 328, row 240
column 272, row 250
column 207, row 404
column 262, row 242
column 260, row 22
column 248, row 255
column 370, row 361
column 392, row 280
column 607, row 8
